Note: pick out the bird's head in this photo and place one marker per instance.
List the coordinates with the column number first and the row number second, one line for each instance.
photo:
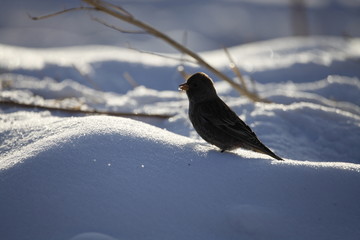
column 199, row 87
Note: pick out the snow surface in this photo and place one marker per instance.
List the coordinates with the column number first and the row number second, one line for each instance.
column 76, row 177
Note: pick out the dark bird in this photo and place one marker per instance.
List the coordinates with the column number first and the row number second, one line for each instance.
column 215, row 122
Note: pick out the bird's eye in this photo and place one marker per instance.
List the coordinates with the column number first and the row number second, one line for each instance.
column 195, row 85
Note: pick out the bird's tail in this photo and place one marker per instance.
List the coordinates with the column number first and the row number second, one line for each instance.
column 267, row 151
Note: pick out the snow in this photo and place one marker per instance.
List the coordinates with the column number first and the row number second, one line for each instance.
column 127, row 179
column 74, row 177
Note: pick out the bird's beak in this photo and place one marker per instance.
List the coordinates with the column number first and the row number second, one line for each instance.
column 184, row 87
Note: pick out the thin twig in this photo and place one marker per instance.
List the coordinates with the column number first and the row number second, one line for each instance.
column 73, row 110
column 181, row 68
column 87, row 78
column 182, row 72
column 111, row 10
column 61, row 12
column 116, row 28
column 122, row 14
column 130, row 80
column 235, row 68
column 121, row 9
column 162, row 55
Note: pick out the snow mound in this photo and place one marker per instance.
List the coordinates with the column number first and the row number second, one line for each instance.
column 114, row 178
column 83, row 177
column 40, row 134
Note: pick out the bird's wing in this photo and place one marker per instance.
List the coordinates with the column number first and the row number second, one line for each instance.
column 218, row 114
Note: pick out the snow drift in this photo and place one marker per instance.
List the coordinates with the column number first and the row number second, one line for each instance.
column 96, row 177
column 130, row 180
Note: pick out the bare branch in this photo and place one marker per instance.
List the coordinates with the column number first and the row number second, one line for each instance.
column 61, row 12
column 116, row 28
column 75, row 110
column 182, row 72
column 181, row 68
column 122, row 14
column 235, row 68
column 130, row 80
column 111, row 10
column 163, row 55
column 87, row 78
column 118, row 8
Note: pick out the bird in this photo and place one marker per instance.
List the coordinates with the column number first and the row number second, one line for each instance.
column 214, row 121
